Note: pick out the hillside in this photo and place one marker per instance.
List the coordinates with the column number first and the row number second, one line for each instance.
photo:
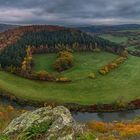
column 129, row 38
column 94, row 76
column 46, row 39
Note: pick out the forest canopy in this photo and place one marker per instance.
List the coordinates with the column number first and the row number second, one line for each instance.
column 42, row 40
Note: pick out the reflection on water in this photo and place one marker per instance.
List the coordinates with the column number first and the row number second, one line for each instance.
column 107, row 117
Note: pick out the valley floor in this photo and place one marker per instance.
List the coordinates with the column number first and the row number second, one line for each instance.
column 120, row 83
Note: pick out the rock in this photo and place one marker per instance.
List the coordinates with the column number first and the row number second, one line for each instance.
column 63, row 126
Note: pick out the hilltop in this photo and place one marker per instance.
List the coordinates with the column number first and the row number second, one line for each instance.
column 46, row 39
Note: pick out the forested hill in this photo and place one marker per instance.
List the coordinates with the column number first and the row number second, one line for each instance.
column 46, row 39
column 4, row 27
column 11, row 36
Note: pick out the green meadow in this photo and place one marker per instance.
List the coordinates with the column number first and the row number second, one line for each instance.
column 115, row 39
column 122, row 82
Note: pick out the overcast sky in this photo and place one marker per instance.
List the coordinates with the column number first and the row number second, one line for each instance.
column 69, row 12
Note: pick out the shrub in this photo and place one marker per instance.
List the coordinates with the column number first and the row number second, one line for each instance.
column 11, row 69
column 97, row 50
column 124, row 54
column 27, row 62
column 42, row 75
column 102, row 71
column 63, row 79
column 111, row 66
column 92, row 76
column 35, row 131
column 108, row 137
column 120, row 103
column 64, row 61
column 4, row 137
column 65, row 54
column 98, row 126
column 86, row 136
column 62, row 64
column 128, row 130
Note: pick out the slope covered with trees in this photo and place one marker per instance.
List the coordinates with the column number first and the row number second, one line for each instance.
column 44, row 39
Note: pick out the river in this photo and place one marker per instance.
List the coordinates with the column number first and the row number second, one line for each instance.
column 85, row 117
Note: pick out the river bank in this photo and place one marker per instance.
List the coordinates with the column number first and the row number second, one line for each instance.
column 80, row 115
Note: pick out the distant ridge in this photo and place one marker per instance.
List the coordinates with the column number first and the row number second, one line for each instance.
column 4, row 27
column 106, row 28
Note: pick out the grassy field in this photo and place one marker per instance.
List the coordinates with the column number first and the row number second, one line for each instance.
column 124, row 40
column 115, row 39
column 84, row 64
column 44, row 62
column 131, row 48
column 123, row 81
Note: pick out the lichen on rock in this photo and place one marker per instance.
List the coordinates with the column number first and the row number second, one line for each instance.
column 63, row 126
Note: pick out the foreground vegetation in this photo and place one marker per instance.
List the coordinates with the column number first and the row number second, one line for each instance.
column 7, row 113
column 129, row 130
column 122, row 82
column 39, row 127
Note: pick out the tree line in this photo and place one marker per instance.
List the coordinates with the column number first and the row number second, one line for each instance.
column 45, row 41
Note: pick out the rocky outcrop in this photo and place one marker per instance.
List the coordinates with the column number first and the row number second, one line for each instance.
column 63, row 126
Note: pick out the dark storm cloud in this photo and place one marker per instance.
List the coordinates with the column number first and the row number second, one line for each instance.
column 70, row 12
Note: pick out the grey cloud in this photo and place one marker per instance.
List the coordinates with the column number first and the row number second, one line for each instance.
column 70, row 11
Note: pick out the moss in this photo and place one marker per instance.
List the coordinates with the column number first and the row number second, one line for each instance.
column 87, row 136
column 35, row 131
column 4, row 137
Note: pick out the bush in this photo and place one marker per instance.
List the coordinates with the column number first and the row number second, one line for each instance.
column 128, row 130
column 86, row 136
column 62, row 64
column 121, row 103
column 102, row 71
column 97, row 50
column 92, row 76
column 98, row 126
column 11, row 69
column 63, row 79
column 120, row 60
column 4, row 137
column 42, row 75
column 35, row 131
column 111, row 66
column 65, row 54
column 64, row 61
column 124, row 54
